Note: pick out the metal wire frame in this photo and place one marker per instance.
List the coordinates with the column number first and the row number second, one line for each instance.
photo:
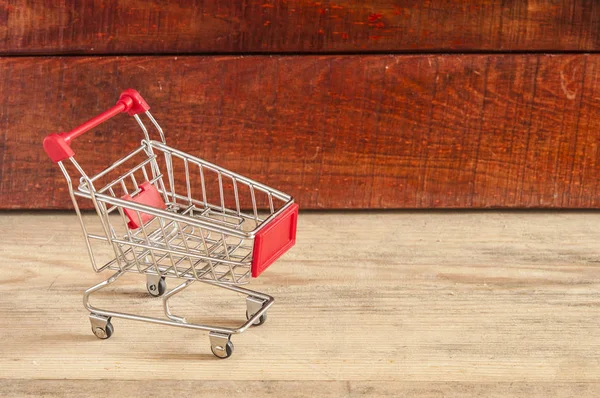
column 193, row 238
column 265, row 300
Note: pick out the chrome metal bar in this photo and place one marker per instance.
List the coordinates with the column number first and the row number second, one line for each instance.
column 278, row 194
column 179, row 253
column 116, row 164
column 236, row 195
column 202, row 182
column 168, row 215
column 142, row 126
column 267, row 303
column 261, row 220
column 187, row 181
column 254, row 207
column 170, row 294
column 221, row 194
column 157, row 126
column 78, row 212
column 125, row 175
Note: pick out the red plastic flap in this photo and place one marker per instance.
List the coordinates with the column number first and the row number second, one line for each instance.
column 148, row 196
column 57, row 148
column 277, row 237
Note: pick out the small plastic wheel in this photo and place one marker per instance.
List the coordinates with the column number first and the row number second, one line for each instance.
column 223, row 354
column 157, row 289
column 103, row 333
column 261, row 319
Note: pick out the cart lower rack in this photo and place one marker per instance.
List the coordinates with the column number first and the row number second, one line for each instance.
column 167, row 214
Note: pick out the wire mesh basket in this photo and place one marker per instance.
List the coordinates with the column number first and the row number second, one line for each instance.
column 168, row 214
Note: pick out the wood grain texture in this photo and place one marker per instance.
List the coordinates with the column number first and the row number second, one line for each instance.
column 181, row 26
column 456, row 131
column 327, row 389
column 377, row 304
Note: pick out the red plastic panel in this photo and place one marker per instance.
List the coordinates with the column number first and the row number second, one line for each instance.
column 148, row 196
column 57, row 148
column 274, row 239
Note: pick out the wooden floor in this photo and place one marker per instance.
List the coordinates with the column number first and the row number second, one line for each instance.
column 376, row 304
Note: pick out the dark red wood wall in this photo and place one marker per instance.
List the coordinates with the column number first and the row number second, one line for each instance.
column 386, row 104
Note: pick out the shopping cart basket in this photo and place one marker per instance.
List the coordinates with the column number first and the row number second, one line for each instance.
column 167, row 214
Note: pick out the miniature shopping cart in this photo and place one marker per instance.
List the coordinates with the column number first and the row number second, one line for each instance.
column 167, row 214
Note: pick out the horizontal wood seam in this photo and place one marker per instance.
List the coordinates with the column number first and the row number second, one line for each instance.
column 292, row 54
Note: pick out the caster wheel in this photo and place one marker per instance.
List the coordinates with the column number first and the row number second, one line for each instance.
column 157, row 289
column 261, row 319
column 103, row 332
column 223, row 353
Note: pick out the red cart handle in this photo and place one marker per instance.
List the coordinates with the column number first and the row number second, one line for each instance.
column 58, row 146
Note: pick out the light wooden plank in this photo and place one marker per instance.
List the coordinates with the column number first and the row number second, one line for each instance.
column 391, row 298
column 321, row 389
